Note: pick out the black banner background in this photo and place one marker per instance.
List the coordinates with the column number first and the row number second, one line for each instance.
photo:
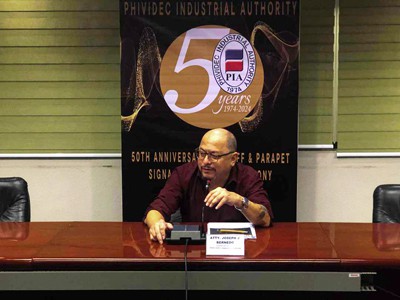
column 153, row 127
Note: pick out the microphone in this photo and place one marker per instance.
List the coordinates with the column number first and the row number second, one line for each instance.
column 203, row 233
column 208, row 185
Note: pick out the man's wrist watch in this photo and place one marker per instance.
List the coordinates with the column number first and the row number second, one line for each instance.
column 245, row 204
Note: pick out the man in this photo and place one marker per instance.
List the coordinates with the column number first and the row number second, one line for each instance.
column 215, row 188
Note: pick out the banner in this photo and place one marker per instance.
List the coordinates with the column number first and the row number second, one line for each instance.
column 190, row 66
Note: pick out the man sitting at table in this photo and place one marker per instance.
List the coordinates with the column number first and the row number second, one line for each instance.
column 215, row 188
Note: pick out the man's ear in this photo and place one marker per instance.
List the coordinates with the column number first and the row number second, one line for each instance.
column 234, row 158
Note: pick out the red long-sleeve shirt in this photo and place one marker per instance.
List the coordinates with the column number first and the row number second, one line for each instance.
column 186, row 189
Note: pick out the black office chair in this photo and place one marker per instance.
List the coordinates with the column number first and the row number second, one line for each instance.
column 386, row 207
column 14, row 200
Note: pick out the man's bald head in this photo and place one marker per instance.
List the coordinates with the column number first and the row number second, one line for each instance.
column 221, row 135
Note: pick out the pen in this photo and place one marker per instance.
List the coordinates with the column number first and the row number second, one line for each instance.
column 231, row 231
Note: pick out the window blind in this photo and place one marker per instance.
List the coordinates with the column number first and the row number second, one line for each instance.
column 369, row 78
column 316, row 73
column 60, row 77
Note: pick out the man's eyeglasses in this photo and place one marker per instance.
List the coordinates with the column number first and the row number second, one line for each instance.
column 201, row 154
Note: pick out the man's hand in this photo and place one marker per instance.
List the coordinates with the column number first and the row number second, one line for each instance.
column 256, row 213
column 220, row 196
column 157, row 231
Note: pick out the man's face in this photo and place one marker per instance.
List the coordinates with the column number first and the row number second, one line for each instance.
column 215, row 160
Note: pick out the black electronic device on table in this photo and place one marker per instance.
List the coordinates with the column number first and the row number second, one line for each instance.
column 182, row 234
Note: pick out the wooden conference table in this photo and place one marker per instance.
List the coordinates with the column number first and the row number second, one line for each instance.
column 349, row 257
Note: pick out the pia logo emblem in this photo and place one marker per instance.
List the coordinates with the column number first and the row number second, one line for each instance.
column 211, row 76
column 234, row 63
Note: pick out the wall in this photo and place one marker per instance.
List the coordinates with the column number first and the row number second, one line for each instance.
column 334, row 189
column 330, row 189
column 70, row 190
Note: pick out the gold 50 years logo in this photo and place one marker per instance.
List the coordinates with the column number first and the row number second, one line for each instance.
column 211, row 76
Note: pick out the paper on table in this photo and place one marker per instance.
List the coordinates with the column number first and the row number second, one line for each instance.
column 245, row 228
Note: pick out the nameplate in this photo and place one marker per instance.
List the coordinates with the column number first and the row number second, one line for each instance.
column 225, row 244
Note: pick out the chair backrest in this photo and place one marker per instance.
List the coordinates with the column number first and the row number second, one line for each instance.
column 14, row 200
column 386, row 207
